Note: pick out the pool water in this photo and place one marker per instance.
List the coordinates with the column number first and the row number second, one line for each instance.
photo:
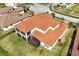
column 40, row 9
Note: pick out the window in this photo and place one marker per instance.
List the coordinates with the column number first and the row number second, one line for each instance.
column 22, row 33
column 29, row 33
column 46, row 45
column 18, row 34
column 17, row 30
column 24, row 38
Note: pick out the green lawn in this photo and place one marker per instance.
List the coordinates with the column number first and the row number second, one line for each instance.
column 4, row 32
column 59, row 19
column 72, row 10
column 14, row 45
column 75, row 11
column 67, row 39
column 2, row 5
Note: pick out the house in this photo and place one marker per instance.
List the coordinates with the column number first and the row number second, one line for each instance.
column 75, row 50
column 10, row 17
column 41, row 29
column 65, row 5
column 5, row 10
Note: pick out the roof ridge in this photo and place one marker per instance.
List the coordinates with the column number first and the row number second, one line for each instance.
column 42, row 31
column 8, row 15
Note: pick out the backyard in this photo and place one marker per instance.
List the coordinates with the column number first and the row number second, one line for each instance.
column 71, row 10
column 14, row 45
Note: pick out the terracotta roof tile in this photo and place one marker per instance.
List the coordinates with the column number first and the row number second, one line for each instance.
column 52, row 35
column 42, row 21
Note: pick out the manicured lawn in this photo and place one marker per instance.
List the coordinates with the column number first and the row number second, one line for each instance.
column 72, row 10
column 14, row 45
column 67, row 39
column 59, row 19
column 2, row 5
column 4, row 32
column 75, row 11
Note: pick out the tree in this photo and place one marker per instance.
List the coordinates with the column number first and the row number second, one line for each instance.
column 53, row 15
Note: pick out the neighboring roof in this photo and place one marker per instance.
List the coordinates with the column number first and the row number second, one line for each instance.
column 75, row 51
column 5, row 10
column 52, row 35
column 42, row 21
column 11, row 18
column 18, row 9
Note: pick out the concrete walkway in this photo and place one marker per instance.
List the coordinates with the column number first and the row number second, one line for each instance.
column 65, row 17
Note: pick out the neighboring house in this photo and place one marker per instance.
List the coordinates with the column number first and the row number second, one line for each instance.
column 10, row 18
column 14, row 5
column 64, row 5
column 11, row 9
column 6, row 10
column 41, row 29
column 75, row 50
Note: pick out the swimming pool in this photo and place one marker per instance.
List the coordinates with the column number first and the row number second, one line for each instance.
column 40, row 9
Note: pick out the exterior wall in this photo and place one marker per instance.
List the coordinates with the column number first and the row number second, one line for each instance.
column 21, row 12
column 50, row 48
column 10, row 27
column 22, row 34
column 47, row 47
column 65, row 4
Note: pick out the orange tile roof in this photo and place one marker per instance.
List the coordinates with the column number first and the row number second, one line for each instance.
column 42, row 21
column 75, row 52
column 51, row 36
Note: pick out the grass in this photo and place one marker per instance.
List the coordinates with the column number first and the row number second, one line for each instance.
column 72, row 10
column 59, row 19
column 75, row 11
column 2, row 33
column 67, row 42
column 14, row 45
column 3, row 52
column 2, row 5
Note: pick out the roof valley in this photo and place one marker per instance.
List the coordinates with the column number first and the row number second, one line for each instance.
column 42, row 31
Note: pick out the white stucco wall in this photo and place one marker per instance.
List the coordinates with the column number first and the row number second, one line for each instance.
column 22, row 34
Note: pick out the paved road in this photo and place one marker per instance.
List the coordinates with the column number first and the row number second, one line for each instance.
column 67, row 18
